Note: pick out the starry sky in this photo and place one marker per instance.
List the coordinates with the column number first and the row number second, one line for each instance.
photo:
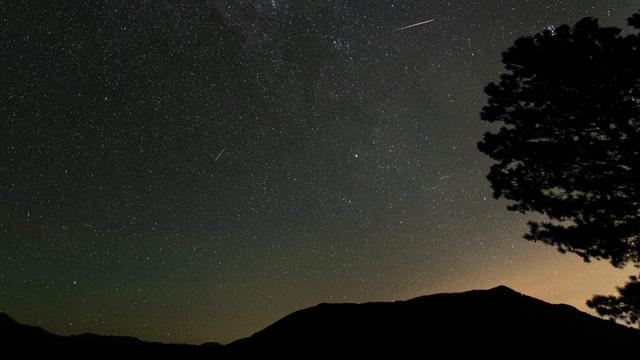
column 188, row 171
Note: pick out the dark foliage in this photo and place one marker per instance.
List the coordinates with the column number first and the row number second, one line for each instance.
column 569, row 144
column 569, row 147
column 625, row 306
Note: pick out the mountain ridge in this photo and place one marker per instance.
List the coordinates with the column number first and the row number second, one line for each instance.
column 437, row 322
column 493, row 322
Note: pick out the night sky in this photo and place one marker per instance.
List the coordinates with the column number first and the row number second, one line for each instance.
column 188, row 171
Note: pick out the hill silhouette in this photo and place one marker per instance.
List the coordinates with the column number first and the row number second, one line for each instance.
column 492, row 322
column 23, row 341
column 499, row 322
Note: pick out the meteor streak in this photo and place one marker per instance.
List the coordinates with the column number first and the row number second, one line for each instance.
column 220, row 154
column 418, row 24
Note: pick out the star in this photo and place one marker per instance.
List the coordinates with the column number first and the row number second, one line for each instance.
column 193, row 151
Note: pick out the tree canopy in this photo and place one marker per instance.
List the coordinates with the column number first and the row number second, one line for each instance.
column 625, row 307
column 568, row 145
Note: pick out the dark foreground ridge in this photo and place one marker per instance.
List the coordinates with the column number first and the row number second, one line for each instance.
column 23, row 341
column 498, row 322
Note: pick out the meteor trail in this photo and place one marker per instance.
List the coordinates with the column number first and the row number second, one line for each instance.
column 220, row 154
column 418, row 24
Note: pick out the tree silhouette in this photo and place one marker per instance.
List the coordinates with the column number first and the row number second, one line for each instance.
column 624, row 307
column 569, row 144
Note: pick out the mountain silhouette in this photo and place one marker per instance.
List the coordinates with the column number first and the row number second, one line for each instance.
column 493, row 322
column 34, row 342
column 499, row 322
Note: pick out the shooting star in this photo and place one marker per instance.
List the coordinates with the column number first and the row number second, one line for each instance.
column 220, row 154
column 410, row 26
